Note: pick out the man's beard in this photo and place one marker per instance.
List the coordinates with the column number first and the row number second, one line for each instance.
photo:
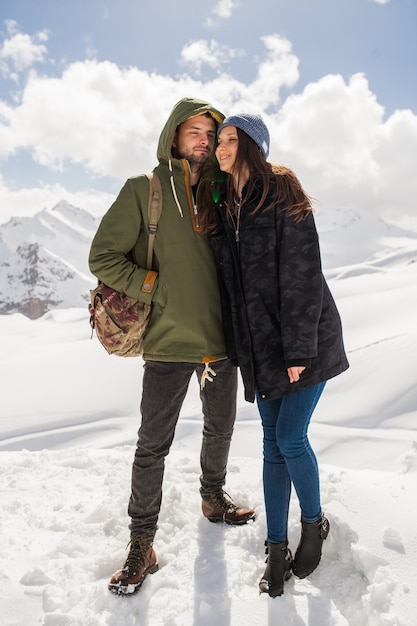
column 195, row 159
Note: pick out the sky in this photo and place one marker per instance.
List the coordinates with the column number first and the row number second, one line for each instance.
column 69, row 414
column 85, row 88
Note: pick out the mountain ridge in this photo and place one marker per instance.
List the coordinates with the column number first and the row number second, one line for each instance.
column 44, row 258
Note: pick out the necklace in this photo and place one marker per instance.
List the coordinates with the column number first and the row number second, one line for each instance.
column 235, row 218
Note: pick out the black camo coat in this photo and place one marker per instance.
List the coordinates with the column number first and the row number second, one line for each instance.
column 278, row 310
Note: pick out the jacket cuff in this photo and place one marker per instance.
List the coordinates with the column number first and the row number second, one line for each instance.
column 298, row 363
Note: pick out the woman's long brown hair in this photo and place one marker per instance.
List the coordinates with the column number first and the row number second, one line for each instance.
column 279, row 185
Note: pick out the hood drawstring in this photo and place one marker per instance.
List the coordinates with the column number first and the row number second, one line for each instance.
column 174, row 191
column 208, row 375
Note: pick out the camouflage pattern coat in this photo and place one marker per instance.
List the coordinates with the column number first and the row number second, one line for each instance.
column 277, row 308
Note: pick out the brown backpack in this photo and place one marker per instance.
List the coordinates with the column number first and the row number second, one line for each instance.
column 120, row 321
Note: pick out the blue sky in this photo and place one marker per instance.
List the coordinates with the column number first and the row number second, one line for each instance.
column 328, row 36
column 86, row 86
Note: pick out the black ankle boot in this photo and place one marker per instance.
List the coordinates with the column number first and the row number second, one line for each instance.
column 278, row 568
column 308, row 553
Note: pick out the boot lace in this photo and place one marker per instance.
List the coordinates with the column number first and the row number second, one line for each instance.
column 223, row 500
column 135, row 557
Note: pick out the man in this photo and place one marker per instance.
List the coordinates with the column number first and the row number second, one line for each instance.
column 185, row 332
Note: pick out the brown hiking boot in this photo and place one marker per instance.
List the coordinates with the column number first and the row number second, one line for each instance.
column 218, row 507
column 141, row 561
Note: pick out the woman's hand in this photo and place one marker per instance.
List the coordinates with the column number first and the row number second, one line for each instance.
column 294, row 373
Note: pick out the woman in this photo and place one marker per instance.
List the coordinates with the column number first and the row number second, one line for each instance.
column 281, row 323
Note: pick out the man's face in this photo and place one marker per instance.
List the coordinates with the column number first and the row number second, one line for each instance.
column 194, row 140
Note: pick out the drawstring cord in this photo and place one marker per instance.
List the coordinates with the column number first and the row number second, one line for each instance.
column 174, row 191
column 207, row 375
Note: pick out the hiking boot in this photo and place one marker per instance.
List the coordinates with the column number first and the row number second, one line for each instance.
column 308, row 553
column 218, row 507
column 140, row 562
column 278, row 568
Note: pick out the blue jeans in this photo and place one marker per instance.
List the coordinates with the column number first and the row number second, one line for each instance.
column 164, row 389
column 289, row 458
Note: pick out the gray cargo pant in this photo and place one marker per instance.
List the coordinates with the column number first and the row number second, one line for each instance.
column 164, row 388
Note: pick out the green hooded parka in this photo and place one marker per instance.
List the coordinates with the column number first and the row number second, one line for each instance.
column 186, row 322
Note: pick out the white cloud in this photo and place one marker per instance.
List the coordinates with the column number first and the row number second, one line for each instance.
column 27, row 201
column 21, row 51
column 396, row 151
column 201, row 53
column 224, row 8
column 278, row 69
column 95, row 114
column 331, row 125
column 380, row 1
column 107, row 120
column 335, row 137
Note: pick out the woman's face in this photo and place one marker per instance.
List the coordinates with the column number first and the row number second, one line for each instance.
column 226, row 151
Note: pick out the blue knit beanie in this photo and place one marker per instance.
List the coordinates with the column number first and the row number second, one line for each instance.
column 252, row 125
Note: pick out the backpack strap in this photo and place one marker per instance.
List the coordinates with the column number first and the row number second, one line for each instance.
column 154, row 212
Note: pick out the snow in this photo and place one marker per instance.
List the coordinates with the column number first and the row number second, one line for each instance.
column 68, row 423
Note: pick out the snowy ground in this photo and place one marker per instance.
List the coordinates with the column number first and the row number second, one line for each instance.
column 68, row 422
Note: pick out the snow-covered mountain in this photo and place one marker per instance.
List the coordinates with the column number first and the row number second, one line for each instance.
column 44, row 258
column 349, row 238
column 44, row 261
